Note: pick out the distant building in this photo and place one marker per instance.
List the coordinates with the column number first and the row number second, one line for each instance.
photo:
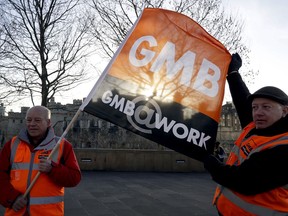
column 91, row 132
column 2, row 109
column 229, row 127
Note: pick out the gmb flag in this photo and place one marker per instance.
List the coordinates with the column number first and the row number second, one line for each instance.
column 165, row 83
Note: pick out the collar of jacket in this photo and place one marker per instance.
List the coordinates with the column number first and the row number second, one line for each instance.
column 48, row 143
column 278, row 127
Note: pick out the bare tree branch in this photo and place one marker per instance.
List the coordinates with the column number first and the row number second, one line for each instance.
column 116, row 17
column 43, row 47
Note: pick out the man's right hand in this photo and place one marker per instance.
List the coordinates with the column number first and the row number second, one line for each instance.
column 19, row 203
column 235, row 64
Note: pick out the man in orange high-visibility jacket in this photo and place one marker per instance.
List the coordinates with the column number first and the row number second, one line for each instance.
column 254, row 179
column 24, row 156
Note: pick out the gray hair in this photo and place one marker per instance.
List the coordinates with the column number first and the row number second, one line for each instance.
column 45, row 112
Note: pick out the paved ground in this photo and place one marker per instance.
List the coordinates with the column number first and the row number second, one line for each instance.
column 140, row 194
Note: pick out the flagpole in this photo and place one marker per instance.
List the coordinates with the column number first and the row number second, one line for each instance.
column 54, row 150
column 85, row 102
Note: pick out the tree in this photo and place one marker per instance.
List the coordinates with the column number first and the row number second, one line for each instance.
column 115, row 18
column 44, row 47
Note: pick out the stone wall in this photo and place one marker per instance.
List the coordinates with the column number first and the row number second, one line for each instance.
column 136, row 160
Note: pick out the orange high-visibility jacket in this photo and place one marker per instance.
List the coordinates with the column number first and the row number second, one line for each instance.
column 46, row 197
column 273, row 202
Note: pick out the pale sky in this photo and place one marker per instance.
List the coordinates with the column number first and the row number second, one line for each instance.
column 266, row 34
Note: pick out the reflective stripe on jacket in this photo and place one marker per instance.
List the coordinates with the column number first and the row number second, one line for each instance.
column 273, row 202
column 45, row 198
